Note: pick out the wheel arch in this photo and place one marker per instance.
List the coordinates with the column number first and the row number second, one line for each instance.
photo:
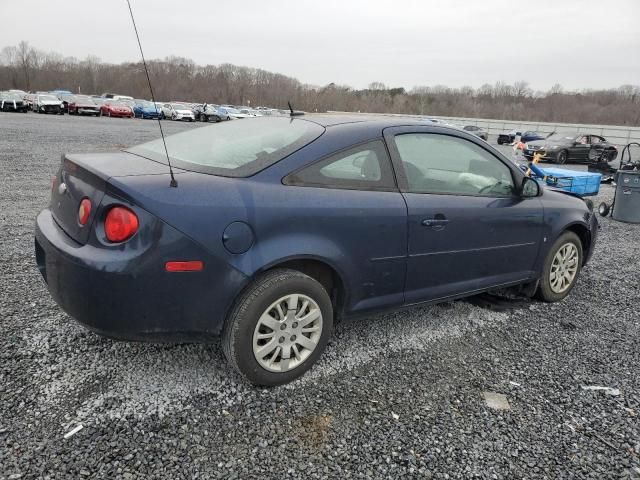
column 321, row 270
column 584, row 234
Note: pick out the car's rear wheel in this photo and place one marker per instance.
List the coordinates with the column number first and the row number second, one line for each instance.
column 561, row 268
column 561, row 158
column 278, row 328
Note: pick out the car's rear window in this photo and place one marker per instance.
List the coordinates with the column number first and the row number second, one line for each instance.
column 238, row 148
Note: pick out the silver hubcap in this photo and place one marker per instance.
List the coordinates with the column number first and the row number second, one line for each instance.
column 287, row 333
column 564, row 268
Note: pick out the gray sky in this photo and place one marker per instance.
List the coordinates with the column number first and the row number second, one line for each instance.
column 577, row 43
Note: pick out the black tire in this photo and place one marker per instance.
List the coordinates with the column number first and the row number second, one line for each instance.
column 545, row 292
column 603, row 209
column 237, row 335
column 499, row 142
column 561, row 158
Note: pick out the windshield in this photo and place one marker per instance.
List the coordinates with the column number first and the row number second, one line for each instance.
column 231, row 110
column 233, row 149
column 146, row 104
column 48, row 97
column 10, row 96
column 180, row 106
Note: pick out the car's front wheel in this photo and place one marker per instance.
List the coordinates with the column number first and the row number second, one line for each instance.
column 561, row 268
column 278, row 328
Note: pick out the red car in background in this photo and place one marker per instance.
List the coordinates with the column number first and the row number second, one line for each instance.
column 83, row 105
column 113, row 108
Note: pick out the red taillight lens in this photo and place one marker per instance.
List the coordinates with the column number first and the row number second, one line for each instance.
column 120, row 224
column 54, row 182
column 84, row 211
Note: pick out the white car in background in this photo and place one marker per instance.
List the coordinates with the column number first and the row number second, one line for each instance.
column 251, row 112
column 233, row 113
column 47, row 103
column 177, row 111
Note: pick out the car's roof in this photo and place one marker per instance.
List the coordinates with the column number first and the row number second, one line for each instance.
column 331, row 120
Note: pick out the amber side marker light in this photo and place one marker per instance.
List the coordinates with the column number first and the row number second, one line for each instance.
column 190, row 266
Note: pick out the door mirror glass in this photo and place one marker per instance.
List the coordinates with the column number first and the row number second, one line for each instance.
column 530, row 188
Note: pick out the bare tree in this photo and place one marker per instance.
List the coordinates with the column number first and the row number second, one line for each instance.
column 179, row 78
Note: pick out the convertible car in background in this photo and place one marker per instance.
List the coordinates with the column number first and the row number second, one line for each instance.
column 275, row 227
column 572, row 147
column 12, row 102
column 116, row 108
column 206, row 113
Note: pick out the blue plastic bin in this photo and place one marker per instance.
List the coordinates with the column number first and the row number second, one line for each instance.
column 580, row 183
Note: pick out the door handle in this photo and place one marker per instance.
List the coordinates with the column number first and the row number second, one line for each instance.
column 435, row 222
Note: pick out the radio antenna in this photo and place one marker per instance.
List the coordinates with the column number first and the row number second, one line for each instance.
column 173, row 182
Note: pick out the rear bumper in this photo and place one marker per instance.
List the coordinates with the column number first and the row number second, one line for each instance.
column 125, row 293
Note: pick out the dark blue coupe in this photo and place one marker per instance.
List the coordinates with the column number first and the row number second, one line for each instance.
column 280, row 226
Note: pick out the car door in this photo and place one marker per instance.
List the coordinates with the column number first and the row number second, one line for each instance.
column 468, row 227
column 598, row 145
column 351, row 200
column 579, row 150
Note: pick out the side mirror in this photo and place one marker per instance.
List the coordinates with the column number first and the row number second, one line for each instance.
column 530, row 188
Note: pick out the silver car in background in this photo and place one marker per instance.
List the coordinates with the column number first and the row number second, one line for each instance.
column 177, row 111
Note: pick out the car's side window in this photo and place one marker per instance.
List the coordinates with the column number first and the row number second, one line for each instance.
column 364, row 167
column 444, row 164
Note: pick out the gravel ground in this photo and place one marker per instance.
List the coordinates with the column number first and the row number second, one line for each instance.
column 394, row 396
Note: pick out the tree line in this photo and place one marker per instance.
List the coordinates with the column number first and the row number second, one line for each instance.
column 176, row 78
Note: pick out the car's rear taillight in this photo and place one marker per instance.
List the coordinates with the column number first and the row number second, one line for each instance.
column 120, row 224
column 54, row 182
column 84, row 211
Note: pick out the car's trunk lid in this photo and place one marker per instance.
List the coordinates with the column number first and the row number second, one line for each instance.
column 86, row 176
